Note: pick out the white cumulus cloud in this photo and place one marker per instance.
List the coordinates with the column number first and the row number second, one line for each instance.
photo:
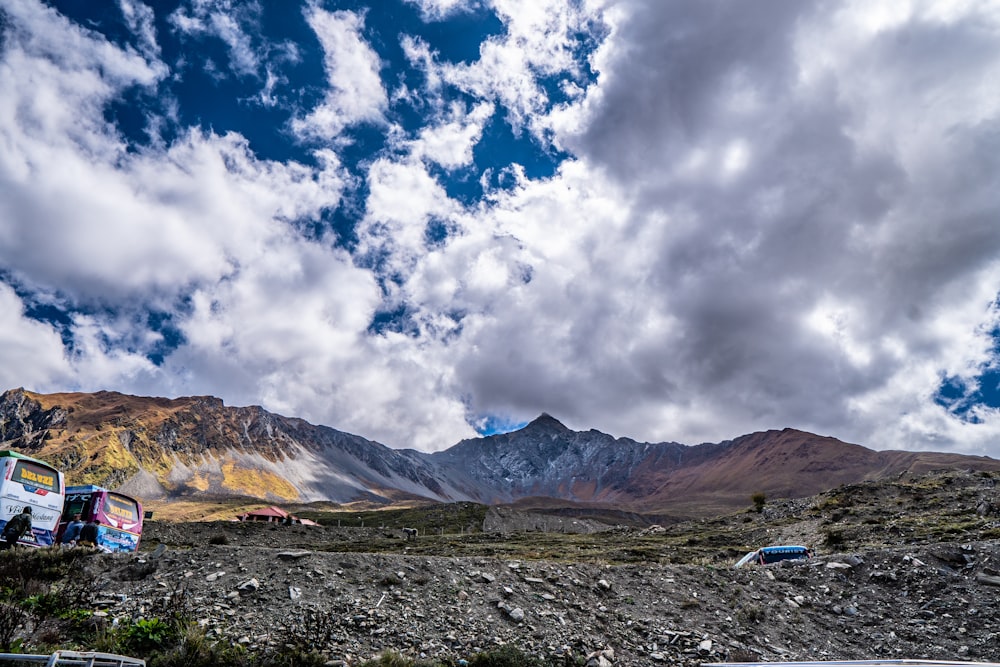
column 355, row 93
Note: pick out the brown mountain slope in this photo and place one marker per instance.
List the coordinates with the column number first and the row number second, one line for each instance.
column 103, row 437
column 156, row 447
column 789, row 464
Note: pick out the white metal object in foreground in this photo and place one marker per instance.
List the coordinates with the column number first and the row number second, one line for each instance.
column 73, row 659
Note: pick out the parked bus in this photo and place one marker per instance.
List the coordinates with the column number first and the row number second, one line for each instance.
column 775, row 554
column 118, row 517
column 29, row 482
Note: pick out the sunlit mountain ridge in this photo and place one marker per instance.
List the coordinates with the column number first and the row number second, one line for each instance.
column 196, row 447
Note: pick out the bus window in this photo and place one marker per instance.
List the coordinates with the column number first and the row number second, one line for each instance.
column 75, row 504
column 777, row 554
column 122, row 509
column 32, row 475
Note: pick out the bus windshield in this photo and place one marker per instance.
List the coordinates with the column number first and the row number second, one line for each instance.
column 34, row 475
column 120, row 509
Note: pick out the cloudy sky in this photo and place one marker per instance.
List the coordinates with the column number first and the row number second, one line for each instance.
column 419, row 220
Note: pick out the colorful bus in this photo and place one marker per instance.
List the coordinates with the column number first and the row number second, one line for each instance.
column 118, row 517
column 29, row 482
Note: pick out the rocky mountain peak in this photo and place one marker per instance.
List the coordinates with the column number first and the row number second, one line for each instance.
column 545, row 423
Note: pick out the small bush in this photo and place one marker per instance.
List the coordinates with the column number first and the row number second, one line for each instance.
column 12, row 617
column 505, row 656
column 218, row 539
column 390, row 580
column 147, row 634
column 388, row 659
column 833, row 538
column 758, row 499
column 25, row 563
column 291, row 656
column 750, row 614
column 194, row 649
column 393, row 659
column 314, row 631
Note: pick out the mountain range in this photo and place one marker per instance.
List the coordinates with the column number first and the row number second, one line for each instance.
column 190, row 447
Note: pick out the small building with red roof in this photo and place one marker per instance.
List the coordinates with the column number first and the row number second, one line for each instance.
column 275, row 515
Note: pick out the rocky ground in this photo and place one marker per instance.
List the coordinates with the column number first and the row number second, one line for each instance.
column 903, row 570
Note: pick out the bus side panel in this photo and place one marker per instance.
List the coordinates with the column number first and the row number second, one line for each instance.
column 112, row 539
column 38, row 537
column 44, row 522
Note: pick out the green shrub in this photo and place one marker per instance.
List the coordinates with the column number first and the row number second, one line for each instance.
column 750, row 614
column 506, row 656
column 393, row 659
column 11, row 618
column 293, row 656
column 147, row 634
column 192, row 648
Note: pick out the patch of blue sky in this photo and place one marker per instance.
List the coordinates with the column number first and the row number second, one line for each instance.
column 379, row 262
column 102, row 17
column 48, row 309
column 500, row 147
column 585, row 42
column 455, row 327
column 133, row 115
column 363, row 144
column 458, row 38
column 462, row 185
column 561, row 87
column 211, row 95
column 209, row 92
column 396, row 320
column 962, row 397
column 493, row 159
column 53, row 315
column 59, row 313
column 130, row 113
column 156, row 337
column 494, row 425
column 170, row 337
column 436, row 233
column 341, row 222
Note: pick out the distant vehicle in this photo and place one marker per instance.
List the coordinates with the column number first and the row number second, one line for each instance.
column 25, row 481
column 773, row 554
column 118, row 517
